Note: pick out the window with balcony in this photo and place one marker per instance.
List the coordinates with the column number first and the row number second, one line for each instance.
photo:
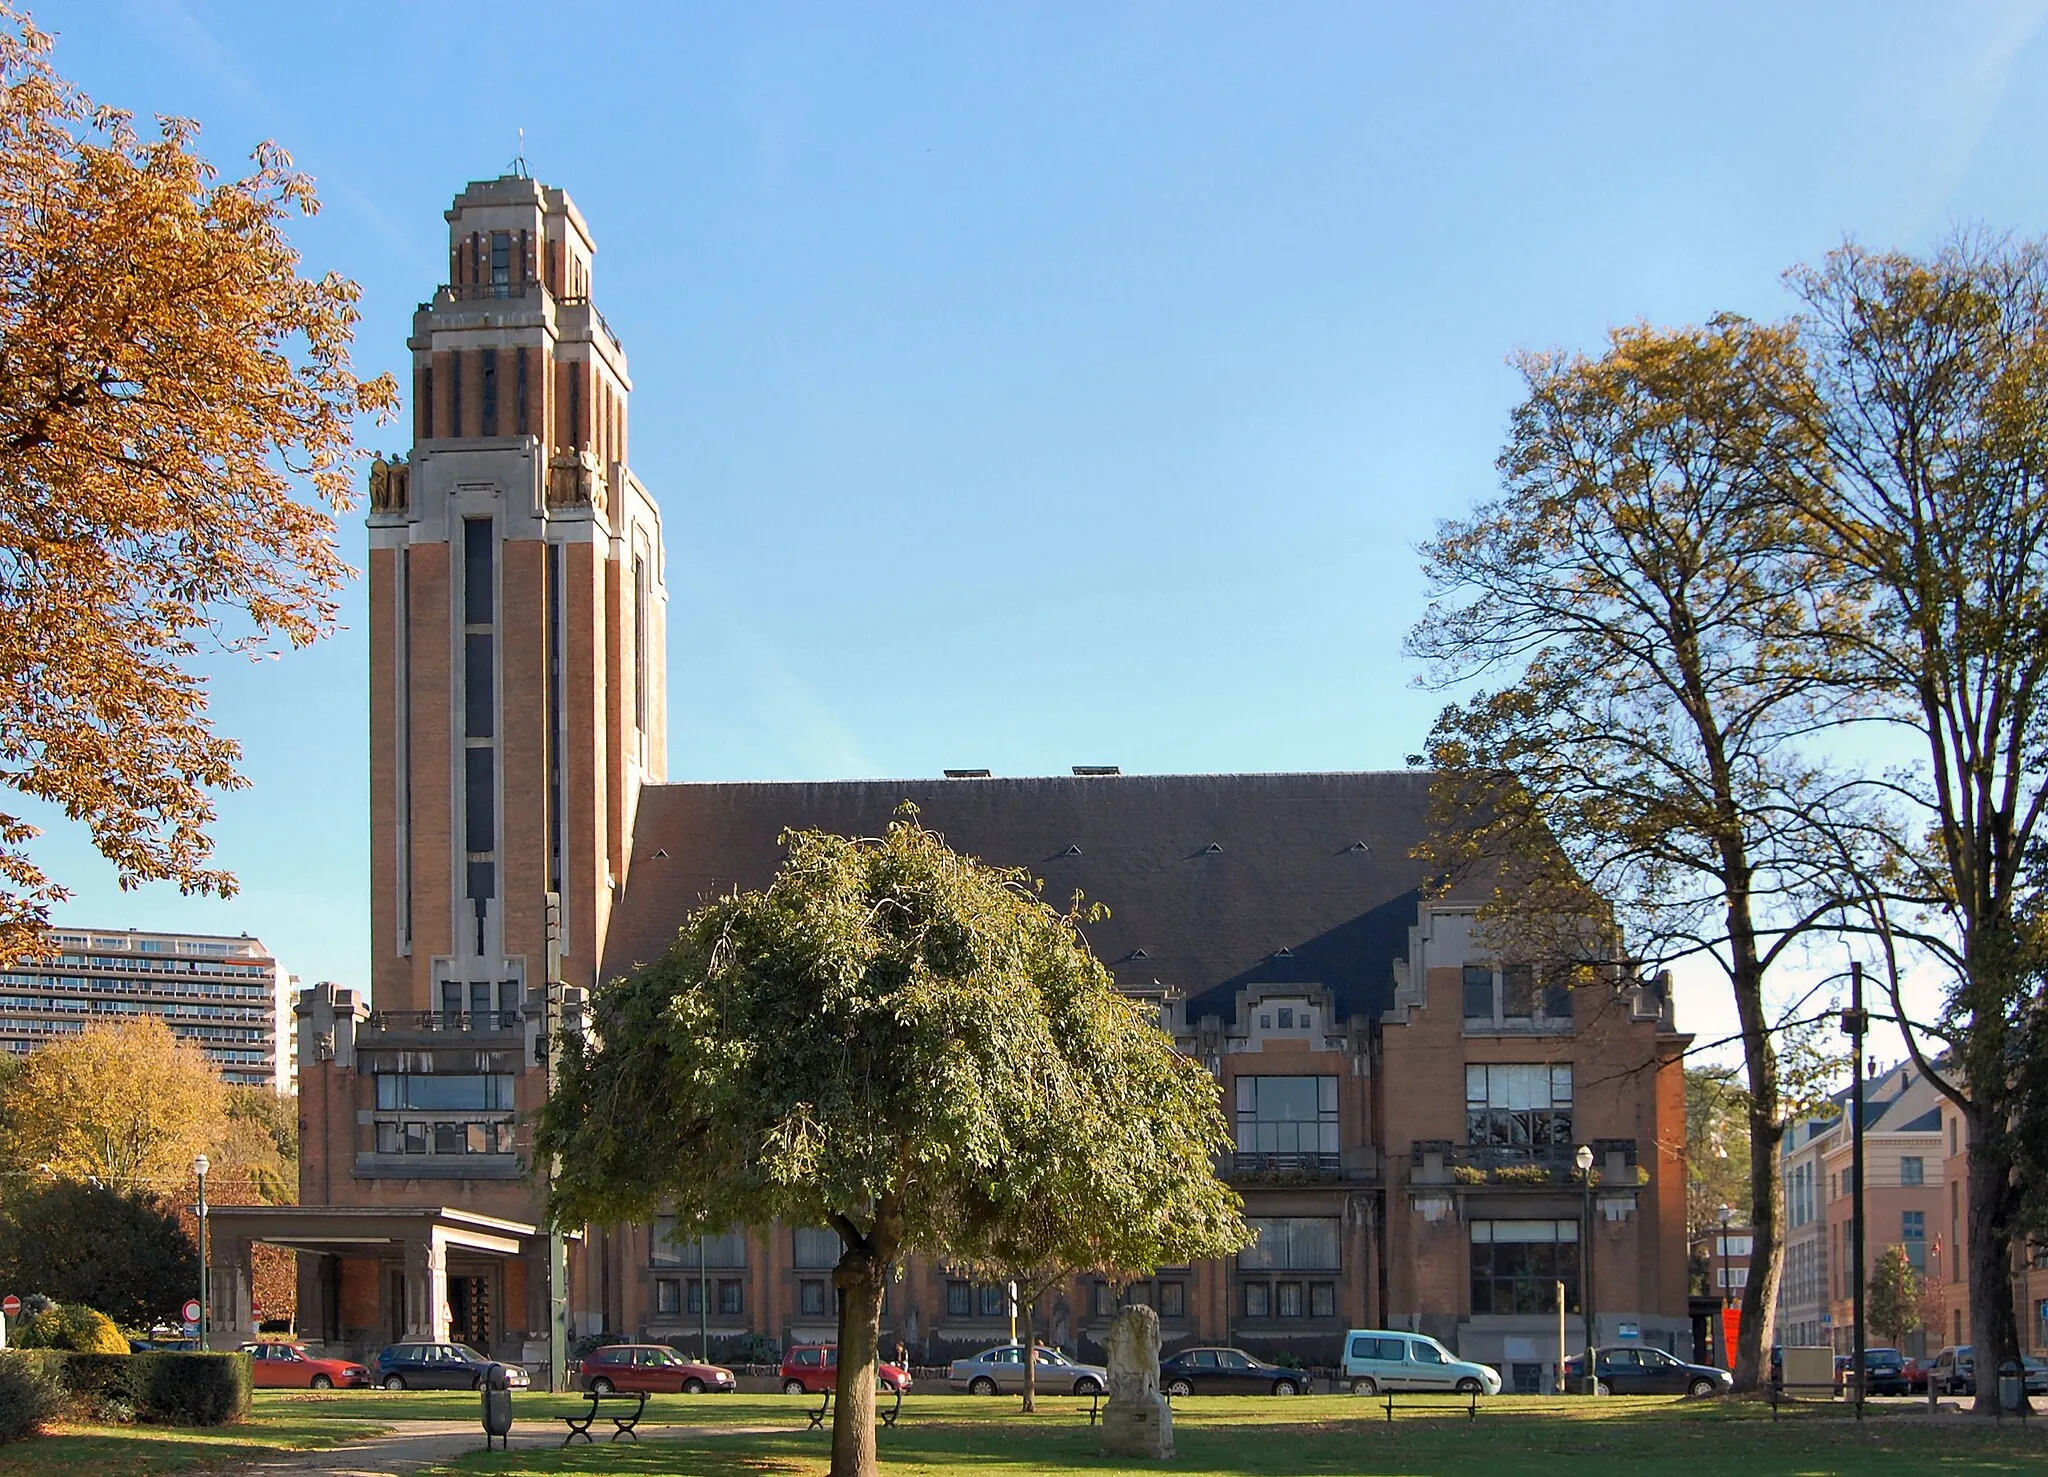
column 1517, row 1265
column 1287, row 1121
column 1518, row 1111
column 1294, row 1243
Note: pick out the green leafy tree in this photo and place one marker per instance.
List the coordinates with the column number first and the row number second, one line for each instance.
column 900, row 1043
column 123, row 1252
column 1893, row 1297
column 1644, row 590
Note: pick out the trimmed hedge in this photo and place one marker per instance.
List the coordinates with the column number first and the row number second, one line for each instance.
column 28, row 1396
column 172, row 1389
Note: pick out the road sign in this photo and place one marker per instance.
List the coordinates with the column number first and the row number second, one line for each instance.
column 10, row 1305
column 192, row 1310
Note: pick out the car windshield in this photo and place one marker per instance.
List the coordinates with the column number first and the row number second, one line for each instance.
column 1051, row 1356
column 464, row 1351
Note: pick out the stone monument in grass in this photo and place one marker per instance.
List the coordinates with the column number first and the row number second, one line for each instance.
column 1137, row 1421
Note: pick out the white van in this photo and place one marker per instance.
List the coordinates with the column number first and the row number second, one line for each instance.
column 1377, row 1359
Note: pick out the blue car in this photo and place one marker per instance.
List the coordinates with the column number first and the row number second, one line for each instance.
column 425, row 1366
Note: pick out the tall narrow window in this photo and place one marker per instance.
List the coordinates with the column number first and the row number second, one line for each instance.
column 501, row 263
column 639, row 643
column 476, row 571
column 520, row 391
column 478, row 709
column 455, row 393
column 479, row 797
column 427, row 405
column 575, row 407
column 490, row 391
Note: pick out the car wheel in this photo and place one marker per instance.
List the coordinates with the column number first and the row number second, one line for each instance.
column 1469, row 1386
column 792, row 1387
column 394, row 1382
column 1600, row 1388
column 1087, row 1386
column 981, row 1385
column 693, row 1386
column 1179, row 1387
column 321, row 1382
column 1364, row 1386
column 1701, row 1389
column 601, row 1386
column 1286, row 1387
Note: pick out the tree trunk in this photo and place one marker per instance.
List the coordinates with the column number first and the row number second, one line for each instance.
column 859, row 1279
column 1994, row 1333
column 1026, row 1298
column 1767, row 1196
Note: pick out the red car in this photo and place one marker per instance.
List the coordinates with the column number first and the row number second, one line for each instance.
column 290, row 1367
column 812, row 1369
column 655, row 1368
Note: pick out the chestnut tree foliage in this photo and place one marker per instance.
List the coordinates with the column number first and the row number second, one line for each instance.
column 910, row 1047
column 169, row 384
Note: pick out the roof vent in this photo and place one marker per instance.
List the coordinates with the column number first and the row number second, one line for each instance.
column 1214, row 848
column 1071, row 850
column 967, row 774
column 1098, row 770
column 1358, row 846
column 661, row 851
column 1283, row 953
column 1140, row 954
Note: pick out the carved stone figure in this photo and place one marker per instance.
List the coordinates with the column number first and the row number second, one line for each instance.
column 1137, row 1421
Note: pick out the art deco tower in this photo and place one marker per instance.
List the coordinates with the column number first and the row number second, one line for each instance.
column 516, row 597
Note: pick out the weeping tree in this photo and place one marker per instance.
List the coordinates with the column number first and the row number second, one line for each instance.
column 900, row 1043
column 1646, row 596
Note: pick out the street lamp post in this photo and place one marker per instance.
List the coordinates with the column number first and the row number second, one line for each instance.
column 1584, row 1160
column 199, row 1167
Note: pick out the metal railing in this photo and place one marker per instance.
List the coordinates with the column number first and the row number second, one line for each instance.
column 475, row 292
column 1245, row 1164
column 465, row 1022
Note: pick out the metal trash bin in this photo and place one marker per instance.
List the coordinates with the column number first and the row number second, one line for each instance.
column 497, row 1412
column 2012, row 1384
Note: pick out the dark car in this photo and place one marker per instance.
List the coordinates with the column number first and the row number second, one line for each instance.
column 1884, row 1372
column 1637, row 1369
column 1228, row 1372
column 425, row 1366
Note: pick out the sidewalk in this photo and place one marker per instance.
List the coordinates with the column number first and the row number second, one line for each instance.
column 415, row 1444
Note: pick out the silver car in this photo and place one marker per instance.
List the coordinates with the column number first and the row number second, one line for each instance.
column 1002, row 1369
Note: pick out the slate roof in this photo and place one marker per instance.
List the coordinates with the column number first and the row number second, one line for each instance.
column 1208, row 878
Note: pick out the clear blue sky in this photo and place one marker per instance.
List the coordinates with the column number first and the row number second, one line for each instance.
column 1042, row 384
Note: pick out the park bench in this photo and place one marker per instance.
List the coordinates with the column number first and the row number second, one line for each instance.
column 824, row 1410
column 622, row 1425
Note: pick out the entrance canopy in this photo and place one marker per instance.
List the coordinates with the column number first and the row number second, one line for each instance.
column 421, row 1237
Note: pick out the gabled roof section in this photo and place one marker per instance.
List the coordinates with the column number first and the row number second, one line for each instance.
column 1213, row 882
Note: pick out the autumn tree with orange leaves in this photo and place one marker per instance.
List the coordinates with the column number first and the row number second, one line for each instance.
column 176, row 432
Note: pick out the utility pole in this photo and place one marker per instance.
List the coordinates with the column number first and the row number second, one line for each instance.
column 1855, row 1021
column 558, row 1262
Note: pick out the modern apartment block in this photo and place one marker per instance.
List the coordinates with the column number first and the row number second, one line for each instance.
column 1406, row 1113
column 225, row 995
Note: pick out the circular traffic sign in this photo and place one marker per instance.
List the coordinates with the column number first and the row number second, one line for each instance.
column 192, row 1310
column 10, row 1305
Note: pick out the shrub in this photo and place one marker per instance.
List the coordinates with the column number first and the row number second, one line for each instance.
column 73, row 1327
column 173, row 1389
column 28, row 1397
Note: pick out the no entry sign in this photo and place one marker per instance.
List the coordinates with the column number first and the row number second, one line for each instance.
column 10, row 1305
column 192, row 1310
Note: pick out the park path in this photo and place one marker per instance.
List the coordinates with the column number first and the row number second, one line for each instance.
column 411, row 1445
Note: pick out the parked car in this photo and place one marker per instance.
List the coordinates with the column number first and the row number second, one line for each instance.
column 1954, row 1371
column 655, row 1368
column 1914, row 1372
column 424, row 1366
column 1884, row 1372
column 812, row 1369
column 290, row 1367
column 1228, row 1372
column 1001, row 1369
column 1638, row 1369
column 2036, row 1369
column 1388, row 1359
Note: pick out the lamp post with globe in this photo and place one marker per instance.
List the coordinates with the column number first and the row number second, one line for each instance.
column 199, row 1167
column 1584, row 1160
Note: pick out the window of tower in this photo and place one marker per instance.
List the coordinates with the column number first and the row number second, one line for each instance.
column 490, row 391
column 501, row 263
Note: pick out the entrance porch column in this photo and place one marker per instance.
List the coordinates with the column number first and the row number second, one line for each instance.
column 231, row 1282
column 426, row 1289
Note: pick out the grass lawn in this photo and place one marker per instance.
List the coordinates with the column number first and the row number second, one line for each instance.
column 954, row 1437
column 129, row 1451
